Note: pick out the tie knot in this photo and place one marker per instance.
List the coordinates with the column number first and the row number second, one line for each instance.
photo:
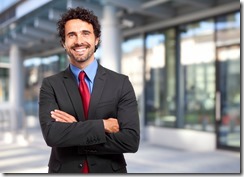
column 82, row 75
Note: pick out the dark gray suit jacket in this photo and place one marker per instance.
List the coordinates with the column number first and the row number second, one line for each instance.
column 72, row 143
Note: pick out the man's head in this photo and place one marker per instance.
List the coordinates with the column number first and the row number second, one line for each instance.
column 82, row 14
column 80, row 32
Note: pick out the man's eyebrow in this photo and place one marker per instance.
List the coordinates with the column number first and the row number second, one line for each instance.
column 69, row 33
column 82, row 31
column 86, row 31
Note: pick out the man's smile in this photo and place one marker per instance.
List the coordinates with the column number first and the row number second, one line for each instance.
column 80, row 49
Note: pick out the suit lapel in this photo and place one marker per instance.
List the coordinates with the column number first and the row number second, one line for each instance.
column 97, row 90
column 73, row 91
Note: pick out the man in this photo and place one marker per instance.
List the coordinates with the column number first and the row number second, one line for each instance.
column 89, row 124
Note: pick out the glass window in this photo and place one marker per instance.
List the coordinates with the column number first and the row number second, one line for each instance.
column 198, row 63
column 132, row 63
column 35, row 70
column 4, row 84
column 229, row 79
column 132, row 66
column 160, row 90
column 228, row 29
column 4, row 79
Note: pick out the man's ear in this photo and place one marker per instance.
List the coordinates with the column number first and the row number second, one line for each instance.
column 97, row 41
column 63, row 44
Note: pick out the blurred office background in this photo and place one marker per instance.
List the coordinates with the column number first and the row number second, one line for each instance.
column 182, row 57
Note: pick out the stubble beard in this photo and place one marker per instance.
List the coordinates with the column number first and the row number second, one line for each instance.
column 81, row 59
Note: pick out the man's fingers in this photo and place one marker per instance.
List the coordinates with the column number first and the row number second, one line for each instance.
column 62, row 113
column 111, row 125
column 62, row 116
column 57, row 117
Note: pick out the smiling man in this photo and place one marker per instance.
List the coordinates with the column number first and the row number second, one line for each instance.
column 88, row 114
column 80, row 42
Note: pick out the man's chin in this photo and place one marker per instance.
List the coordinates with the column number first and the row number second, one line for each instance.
column 78, row 58
column 81, row 60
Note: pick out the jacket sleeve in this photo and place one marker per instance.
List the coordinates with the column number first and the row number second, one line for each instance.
column 58, row 134
column 127, row 139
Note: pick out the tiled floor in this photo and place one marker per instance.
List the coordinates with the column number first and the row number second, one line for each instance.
column 15, row 158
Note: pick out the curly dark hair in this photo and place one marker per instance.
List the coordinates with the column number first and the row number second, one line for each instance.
column 82, row 14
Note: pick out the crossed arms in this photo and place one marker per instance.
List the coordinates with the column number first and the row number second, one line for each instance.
column 110, row 125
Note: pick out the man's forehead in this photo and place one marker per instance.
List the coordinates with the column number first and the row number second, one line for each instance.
column 78, row 21
column 77, row 24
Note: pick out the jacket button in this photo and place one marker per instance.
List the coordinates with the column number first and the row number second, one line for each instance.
column 81, row 165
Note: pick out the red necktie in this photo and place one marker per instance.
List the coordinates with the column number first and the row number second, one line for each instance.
column 85, row 96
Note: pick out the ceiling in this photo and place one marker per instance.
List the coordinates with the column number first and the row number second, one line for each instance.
column 35, row 33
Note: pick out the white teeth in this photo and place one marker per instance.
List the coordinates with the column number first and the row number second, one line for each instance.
column 80, row 49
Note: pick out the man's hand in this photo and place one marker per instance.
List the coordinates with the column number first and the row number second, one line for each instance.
column 111, row 125
column 61, row 116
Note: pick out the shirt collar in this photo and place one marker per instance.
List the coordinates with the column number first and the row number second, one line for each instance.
column 90, row 71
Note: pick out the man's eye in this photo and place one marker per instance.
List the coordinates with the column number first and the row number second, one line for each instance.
column 71, row 35
column 86, row 33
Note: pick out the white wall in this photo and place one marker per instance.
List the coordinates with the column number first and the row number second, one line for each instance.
column 191, row 140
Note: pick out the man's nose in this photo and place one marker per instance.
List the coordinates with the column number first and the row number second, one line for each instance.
column 80, row 39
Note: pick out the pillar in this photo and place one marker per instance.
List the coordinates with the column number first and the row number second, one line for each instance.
column 110, row 39
column 16, row 86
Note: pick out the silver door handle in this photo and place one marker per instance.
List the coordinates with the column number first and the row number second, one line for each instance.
column 218, row 106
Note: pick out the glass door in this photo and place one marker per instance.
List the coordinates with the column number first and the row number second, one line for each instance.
column 228, row 97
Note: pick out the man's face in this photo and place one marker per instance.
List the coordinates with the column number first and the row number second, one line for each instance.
column 80, row 41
